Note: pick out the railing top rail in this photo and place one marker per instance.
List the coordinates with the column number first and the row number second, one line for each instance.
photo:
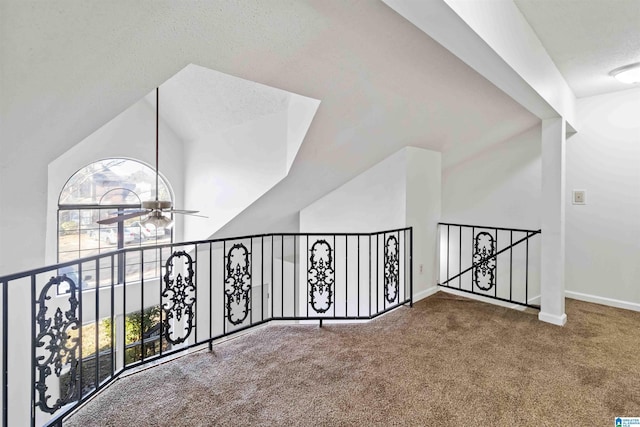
column 491, row 227
column 47, row 268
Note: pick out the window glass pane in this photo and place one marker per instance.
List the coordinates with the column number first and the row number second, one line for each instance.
column 102, row 182
column 108, row 274
column 133, row 267
column 68, row 231
column 68, row 256
column 151, row 265
column 110, row 188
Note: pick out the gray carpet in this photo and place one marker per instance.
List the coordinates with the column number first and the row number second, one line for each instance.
column 449, row 361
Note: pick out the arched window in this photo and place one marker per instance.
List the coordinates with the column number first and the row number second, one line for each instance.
column 101, row 190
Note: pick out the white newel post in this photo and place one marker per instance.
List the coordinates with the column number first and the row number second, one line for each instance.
column 553, row 216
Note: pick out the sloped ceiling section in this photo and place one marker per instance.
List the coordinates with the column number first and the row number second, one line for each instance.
column 197, row 102
column 240, row 139
column 384, row 85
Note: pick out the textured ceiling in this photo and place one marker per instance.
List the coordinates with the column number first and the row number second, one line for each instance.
column 587, row 39
column 70, row 67
column 197, row 102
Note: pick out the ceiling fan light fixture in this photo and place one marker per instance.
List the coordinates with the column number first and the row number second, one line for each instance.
column 156, row 220
column 629, row 74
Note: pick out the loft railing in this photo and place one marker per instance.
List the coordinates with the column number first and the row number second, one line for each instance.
column 70, row 329
column 497, row 263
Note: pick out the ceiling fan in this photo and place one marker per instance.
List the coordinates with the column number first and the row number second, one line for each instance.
column 154, row 209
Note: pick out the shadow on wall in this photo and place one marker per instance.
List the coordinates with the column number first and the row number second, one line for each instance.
column 498, row 185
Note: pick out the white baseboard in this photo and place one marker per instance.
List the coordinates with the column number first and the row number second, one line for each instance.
column 552, row 318
column 478, row 297
column 603, row 301
column 535, row 300
column 426, row 293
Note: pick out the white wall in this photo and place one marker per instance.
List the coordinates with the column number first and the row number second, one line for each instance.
column 495, row 185
column 226, row 172
column 603, row 236
column 423, row 189
column 499, row 185
column 373, row 201
column 131, row 134
column 401, row 191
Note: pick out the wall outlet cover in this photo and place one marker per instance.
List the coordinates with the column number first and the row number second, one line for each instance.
column 579, row 197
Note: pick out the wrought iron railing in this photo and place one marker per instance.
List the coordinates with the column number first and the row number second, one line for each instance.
column 493, row 262
column 70, row 329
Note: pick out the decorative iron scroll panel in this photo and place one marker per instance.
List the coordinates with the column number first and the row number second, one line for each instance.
column 237, row 284
column 178, row 296
column 484, row 274
column 53, row 335
column 391, row 269
column 321, row 276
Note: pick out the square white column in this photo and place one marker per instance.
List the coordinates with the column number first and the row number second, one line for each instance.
column 552, row 216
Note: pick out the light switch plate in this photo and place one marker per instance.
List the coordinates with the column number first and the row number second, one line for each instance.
column 579, row 197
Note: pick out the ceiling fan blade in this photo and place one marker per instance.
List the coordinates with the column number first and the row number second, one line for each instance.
column 121, row 218
column 183, row 211
column 190, row 214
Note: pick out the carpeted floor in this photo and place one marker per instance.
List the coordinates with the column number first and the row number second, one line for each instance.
column 448, row 361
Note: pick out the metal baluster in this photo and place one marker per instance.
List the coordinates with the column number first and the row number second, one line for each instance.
column 307, row 257
column 335, row 285
column 495, row 290
column 5, row 354
column 80, row 322
column 473, row 236
column 113, row 310
column 370, row 274
column 142, row 307
column 161, row 285
column 295, row 301
column 384, row 276
column 122, row 257
column 97, row 325
column 526, row 270
column 510, row 265
column 210, row 296
column 251, row 281
column 195, row 296
column 33, row 350
column 272, row 297
column 447, row 254
column 262, row 279
column 346, row 276
column 377, row 271
column 460, row 257
column 224, row 296
column 358, row 275
column 282, row 275
column 404, row 275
